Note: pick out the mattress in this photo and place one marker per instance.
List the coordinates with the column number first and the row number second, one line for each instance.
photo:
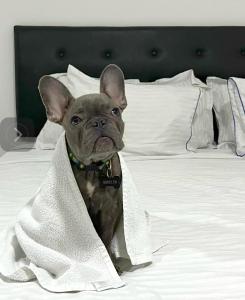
column 199, row 201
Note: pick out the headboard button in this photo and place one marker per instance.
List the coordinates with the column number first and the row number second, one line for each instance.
column 199, row 52
column 242, row 51
column 154, row 52
column 108, row 54
column 61, row 53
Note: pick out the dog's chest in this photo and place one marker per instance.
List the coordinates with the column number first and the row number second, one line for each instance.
column 90, row 188
column 96, row 196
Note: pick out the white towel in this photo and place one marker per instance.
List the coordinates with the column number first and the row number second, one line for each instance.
column 53, row 238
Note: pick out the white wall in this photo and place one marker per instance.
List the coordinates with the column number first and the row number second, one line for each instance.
column 102, row 12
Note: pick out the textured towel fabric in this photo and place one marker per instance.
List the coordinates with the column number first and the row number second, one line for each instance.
column 54, row 241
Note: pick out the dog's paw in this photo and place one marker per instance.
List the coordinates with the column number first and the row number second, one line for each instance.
column 119, row 270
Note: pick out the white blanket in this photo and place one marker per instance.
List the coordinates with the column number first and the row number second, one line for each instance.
column 53, row 238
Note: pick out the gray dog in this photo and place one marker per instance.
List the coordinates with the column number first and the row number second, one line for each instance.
column 94, row 130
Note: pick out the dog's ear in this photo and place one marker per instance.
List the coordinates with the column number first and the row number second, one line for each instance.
column 112, row 84
column 56, row 98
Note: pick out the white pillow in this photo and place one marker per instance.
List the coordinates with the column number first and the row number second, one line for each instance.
column 158, row 117
column 219, row 94
column 236, row 88
column 202, row 125
column 50, row 133
column 182, row 79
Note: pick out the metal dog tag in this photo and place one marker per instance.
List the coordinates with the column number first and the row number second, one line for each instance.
column 114, row 181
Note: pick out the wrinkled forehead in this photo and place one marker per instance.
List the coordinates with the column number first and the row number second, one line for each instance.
column 92, row 104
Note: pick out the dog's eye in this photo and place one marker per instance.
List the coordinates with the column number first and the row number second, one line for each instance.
column 115, row 111
column 75, row 120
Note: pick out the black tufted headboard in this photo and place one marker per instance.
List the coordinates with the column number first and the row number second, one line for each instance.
column 147, row 53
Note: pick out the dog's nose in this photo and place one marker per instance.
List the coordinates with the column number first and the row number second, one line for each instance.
column 99, row 123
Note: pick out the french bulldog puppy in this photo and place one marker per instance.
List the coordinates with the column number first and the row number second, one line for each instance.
column 94, row 129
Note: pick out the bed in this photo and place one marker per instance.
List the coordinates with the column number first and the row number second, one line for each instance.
column 198, row 198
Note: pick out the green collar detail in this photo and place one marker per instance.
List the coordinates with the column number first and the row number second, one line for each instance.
column 95, row 166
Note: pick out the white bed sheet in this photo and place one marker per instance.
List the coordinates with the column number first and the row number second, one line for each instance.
column 199, row 200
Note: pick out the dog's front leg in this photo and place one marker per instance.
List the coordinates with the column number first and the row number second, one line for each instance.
column 107, row 238
column 108, row 224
